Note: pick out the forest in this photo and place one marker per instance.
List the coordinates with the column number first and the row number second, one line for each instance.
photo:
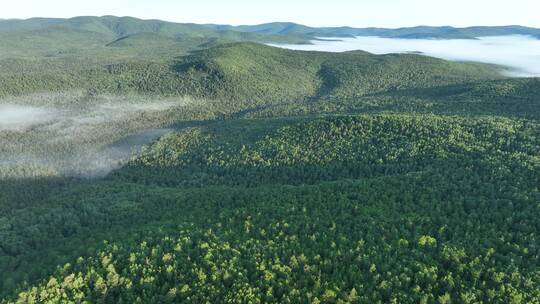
column 236, row 172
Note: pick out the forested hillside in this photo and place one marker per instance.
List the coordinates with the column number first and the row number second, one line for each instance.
column 357, row 209
column 152, row 162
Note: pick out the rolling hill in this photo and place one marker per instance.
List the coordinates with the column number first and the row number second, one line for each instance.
column 91, row 37
column 248, row 79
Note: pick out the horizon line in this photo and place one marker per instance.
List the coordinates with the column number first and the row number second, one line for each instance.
column 264, row 23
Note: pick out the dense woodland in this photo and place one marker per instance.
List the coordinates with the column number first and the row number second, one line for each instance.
column 271, row 176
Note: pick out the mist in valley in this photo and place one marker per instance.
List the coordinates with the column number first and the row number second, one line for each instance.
column 520, row 54
column 18, row 117
column 71, row 134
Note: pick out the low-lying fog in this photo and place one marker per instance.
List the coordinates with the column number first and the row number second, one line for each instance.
column 520, row 53
column 76, row 135
column 14, row 117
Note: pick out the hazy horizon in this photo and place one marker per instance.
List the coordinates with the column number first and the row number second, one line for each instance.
column 315, row 13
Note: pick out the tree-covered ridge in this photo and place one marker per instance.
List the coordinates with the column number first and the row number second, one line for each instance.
column 254, row 73
column 511, row 97
column 514, row 98
column 345, row 147
column 356, row 75
column 257, row 71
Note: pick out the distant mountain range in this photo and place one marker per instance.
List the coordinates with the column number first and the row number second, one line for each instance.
column 68, row 43
column 444, row 32
column 121, row 27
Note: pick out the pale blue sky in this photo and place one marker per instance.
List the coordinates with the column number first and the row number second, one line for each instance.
column 358, row 13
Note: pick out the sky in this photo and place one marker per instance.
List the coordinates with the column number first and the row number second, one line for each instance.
column 356, row 13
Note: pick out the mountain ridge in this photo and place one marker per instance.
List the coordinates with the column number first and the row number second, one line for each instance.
column 126, row 25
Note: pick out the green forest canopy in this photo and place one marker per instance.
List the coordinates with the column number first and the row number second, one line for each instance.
column 284, row 176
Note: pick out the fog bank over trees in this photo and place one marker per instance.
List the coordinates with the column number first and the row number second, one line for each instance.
column 521, row 54
column 71, row 138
